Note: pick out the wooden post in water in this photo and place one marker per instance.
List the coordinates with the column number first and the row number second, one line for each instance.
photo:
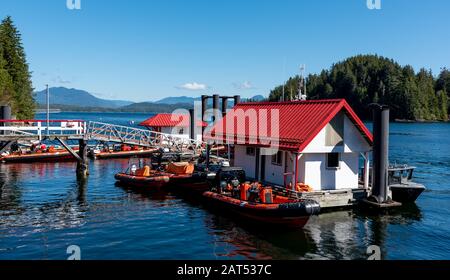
column 83, row 162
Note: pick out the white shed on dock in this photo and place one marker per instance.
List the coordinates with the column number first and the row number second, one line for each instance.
column 317, row 142
column 173, row 124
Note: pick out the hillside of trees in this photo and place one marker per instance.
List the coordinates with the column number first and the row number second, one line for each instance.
column 15, row 78
column 366, row 79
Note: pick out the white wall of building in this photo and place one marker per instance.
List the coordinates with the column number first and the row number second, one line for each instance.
column 274, row 173
column 353, row 141
column 319, row 177
column 241, row 159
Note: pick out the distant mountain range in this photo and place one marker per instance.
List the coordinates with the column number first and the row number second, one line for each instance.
column 79, row 100
column 76, row 97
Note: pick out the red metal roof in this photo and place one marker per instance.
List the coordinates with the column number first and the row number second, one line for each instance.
column 169, row 120
column 295, row 122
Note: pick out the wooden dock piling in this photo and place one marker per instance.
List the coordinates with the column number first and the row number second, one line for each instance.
column 81, row 156
column 83, row 162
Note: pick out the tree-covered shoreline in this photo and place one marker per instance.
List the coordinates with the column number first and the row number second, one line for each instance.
column 16, row 88
column 365, row 79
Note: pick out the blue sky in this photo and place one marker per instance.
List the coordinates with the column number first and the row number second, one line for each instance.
column 146, row 50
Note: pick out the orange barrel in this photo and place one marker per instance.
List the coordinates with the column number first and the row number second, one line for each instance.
column 244, row 191
column 266, row 195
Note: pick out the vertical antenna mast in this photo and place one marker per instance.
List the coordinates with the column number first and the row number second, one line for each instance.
column 302, row 84
column 284, row 72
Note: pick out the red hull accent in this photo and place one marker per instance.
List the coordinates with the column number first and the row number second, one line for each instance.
column 124, row 154
column 41, row 157
column 260, row 212
column 156, row 181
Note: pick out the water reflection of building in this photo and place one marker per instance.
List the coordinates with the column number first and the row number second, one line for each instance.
column 348, row 234
column 335, row 235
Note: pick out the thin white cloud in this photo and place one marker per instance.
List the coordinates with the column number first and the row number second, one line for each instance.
column 193, row 86
column 244, row 85
column 60, row 80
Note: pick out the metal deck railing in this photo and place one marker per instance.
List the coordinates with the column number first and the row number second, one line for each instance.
column 141, row 137
column 39, row 129
column 95, row 131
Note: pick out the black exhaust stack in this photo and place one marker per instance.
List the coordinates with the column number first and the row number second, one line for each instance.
column 379, row 197
column 380, row 152
column 237, row 99
column 192, row 124
column 224, row 106
column 204, row 105
column 216, row 101
column 208, row 152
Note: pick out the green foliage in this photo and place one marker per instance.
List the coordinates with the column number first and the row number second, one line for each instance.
column 443, row 83
column 365, row 79
column 16, row 86
column 6, row 88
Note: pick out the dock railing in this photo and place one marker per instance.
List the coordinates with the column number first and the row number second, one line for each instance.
column 13, row 130
column 135, row 136
column 39, row 129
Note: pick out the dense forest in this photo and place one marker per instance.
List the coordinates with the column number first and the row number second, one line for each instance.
column 365, row 79
column 15, row 78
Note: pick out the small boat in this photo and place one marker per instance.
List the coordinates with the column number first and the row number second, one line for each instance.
column 143, row 177
column 120, row 151
column 259, row 203
column 194, row 178
column 50, row 154
column 401, row 185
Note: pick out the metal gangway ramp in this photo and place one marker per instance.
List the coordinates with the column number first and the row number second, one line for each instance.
column 99, row 131
column 30, row 130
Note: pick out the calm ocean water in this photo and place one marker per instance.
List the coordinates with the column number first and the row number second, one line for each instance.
column 43, row 210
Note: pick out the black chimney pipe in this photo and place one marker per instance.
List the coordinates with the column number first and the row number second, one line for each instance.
column 208, row 151
column 216, row 101
column 192, row 124
column 380, row 152
column 237, row 99
column 224, row 106
column 204, row 105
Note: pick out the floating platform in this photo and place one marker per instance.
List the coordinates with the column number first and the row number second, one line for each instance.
column 38, row 157
column 336, row 198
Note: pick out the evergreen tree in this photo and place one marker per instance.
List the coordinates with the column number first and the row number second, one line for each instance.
column 15, row 64
column 6, row 88
column 443, row 101
column 443, row 83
